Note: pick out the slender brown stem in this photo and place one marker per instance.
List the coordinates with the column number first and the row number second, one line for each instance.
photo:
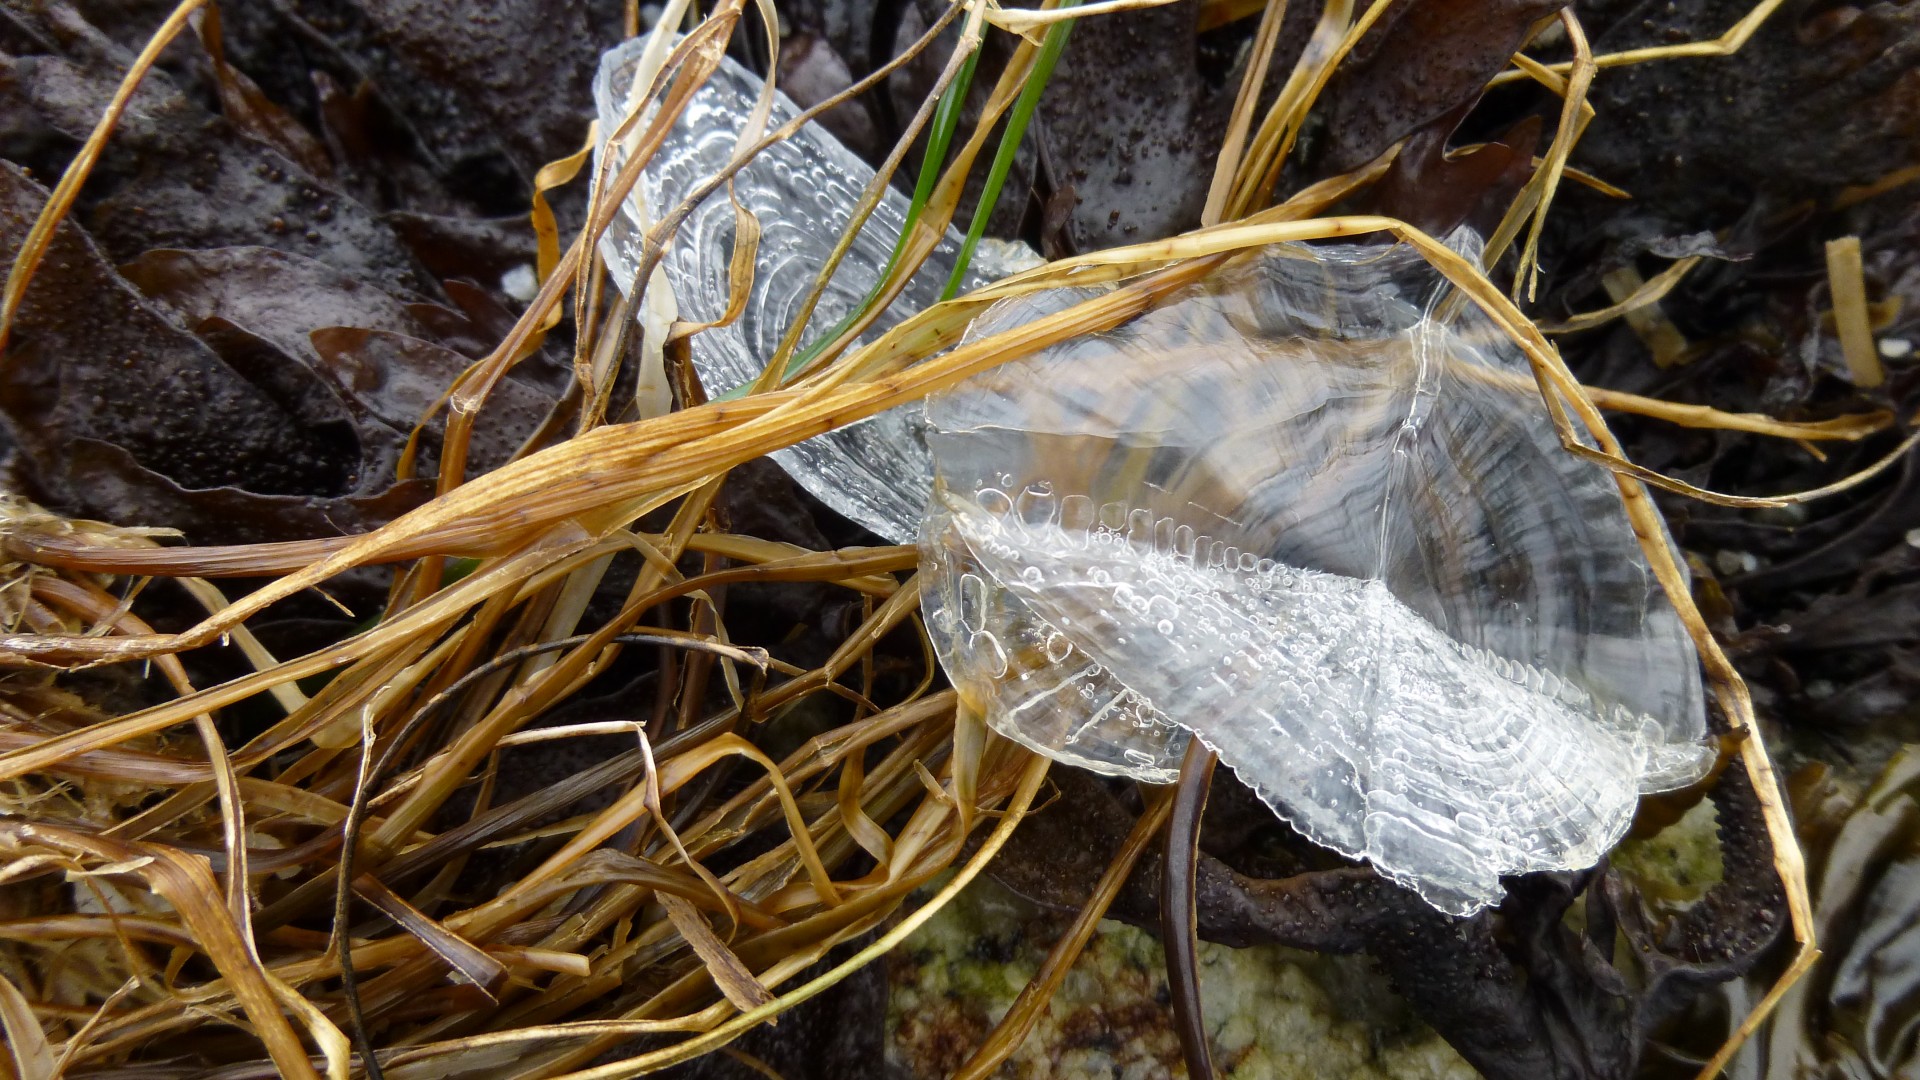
column 1178, row 925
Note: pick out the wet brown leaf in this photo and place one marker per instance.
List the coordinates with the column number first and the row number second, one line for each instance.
column 398, row 380
column 481, row 248
column 515, row 71
column 1438, row 191
column 279, row 296
column 1133, row 117
column 175, row 175
column 91, row 363
column 1419, row 63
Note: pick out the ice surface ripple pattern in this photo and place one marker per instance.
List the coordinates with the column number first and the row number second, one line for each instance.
column 1292, row 514
column 803, row 191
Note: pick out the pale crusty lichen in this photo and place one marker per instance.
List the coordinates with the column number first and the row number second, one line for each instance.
column 1272, row 1012
column 1680, row 862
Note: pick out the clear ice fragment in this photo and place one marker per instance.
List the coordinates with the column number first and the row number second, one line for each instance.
column 803, row 190
column 1292, row 513
column 1287, row 511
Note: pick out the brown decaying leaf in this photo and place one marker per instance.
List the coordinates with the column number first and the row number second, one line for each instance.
column 510, row 72
column 242, row 103
column 1419, row 63
column 1439, row 191
column 91, row 364
column 1821, row 97
column 1139, row 165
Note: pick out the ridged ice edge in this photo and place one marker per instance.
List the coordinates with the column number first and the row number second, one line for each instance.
column 1226, row 557
column 939, row 518
column 1144, row 774
column 617, row 60
column 1182, row 543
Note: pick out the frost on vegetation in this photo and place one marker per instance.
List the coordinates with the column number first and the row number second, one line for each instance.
column 1294, row 513
column 1297, row 510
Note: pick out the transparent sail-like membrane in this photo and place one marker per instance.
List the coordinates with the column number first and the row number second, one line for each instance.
column 1290, row 512
column 803, row 190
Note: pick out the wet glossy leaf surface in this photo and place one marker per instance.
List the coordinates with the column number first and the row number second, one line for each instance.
column 177, row 176
column 100, row 385
column 1140, row 163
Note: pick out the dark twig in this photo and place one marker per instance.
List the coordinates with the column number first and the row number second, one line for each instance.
column 1178, row 925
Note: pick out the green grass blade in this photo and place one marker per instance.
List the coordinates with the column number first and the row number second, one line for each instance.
column 1010, row 146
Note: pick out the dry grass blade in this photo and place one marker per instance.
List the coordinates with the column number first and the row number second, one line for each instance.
column 32, row 1055
column 729, row 974
column 187, row 884
column 1266, row 155
column 1031, row 775
column 1228, row 166
column 1028, row 23
column 1574, row 113
column 1726, row 44
column 463, row 956
column 1031, row 1004
column 1846, row 281
column 1644, row 294
column 34, row 248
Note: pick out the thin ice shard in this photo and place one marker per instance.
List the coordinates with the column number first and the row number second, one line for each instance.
column 803, row 191
column 1292, row 514
column 1286, row 511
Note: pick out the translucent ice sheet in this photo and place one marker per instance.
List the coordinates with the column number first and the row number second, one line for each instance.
column 803, row 191
column 1290, row 513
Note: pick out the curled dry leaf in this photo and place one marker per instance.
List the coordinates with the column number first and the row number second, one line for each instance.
column 1417, row 66
column 276, row 422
